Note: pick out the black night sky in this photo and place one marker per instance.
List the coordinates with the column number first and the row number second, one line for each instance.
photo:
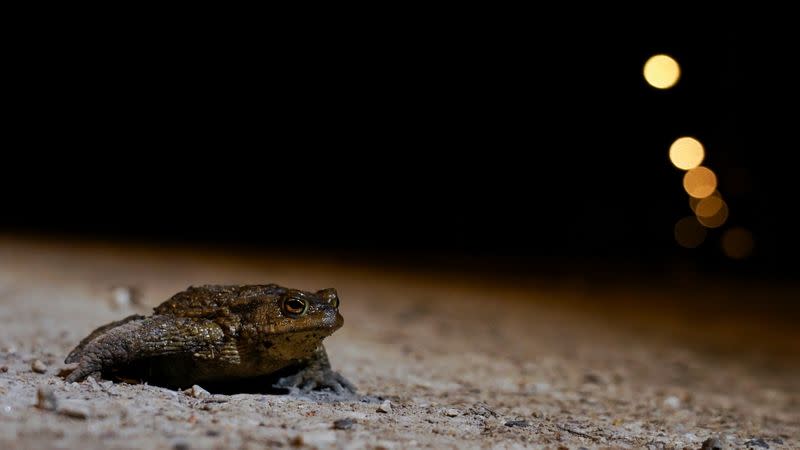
column 497, row 143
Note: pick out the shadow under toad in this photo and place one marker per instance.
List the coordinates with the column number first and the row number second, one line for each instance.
column 143, row 373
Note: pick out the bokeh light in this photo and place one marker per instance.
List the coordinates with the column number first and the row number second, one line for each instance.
column 686, row 153
column 661, row 71
column 700, row 182
column 709, row 206
column 737, row 243
column 693, row 202
column 689, row 233
column 718, row 210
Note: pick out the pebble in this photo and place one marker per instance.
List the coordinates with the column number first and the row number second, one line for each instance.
column 94, row 386
column 319, row 438
column 592, row 378
column 181, row 445
column 480, row 409
column 451, row 412
column 76, row 410
column 38, row 366
column 713, row 444
column 541, row 387
column 46, row 398
column 386, row 407
column 672, row 402
column 344, row 424
column 517, row 423
column 757, row 443
column 123, row 297
column 197, row 392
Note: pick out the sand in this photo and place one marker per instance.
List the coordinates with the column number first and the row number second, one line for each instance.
column 440, row 361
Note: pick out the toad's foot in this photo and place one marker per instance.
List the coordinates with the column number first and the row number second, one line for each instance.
column 309, row 379
column 317, row 375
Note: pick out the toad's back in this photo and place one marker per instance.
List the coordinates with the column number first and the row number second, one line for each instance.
column 207, row 300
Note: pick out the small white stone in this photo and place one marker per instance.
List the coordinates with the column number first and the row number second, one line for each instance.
column 319, row 438
column 386, row 407
column 93, row 383
column 121, row 297
column 197, row 392
column 451, row 412
column 541, row 387
column 672, row 402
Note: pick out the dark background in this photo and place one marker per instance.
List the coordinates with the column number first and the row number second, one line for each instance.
column 501, row 144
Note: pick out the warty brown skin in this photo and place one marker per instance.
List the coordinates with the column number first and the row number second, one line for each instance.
column 217, row 334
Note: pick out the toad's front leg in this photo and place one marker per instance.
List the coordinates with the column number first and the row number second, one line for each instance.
column 316, row 373
column 139, row 338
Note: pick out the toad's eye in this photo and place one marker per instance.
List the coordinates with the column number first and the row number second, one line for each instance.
column 295, row 306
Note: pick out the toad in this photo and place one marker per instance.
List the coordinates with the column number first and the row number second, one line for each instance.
column 216, row 333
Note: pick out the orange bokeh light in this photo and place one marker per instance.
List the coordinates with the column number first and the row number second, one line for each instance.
column 689, row 233
column 717, row 210
column 709, row 206
column 700, row 182
column 737, row 243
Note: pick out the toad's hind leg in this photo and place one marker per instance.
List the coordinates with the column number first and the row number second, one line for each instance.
column 73, row 355
column 136, row 339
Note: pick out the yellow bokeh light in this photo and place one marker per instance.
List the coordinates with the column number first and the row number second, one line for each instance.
column 737, row 243
column 686, row 153
column 661, row 71
column 689, row 233
column 700, row 182
column 718, row 210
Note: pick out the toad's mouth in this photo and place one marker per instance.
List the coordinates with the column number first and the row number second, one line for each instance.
column 326, row 325
column 296, row 339
column 291, row 346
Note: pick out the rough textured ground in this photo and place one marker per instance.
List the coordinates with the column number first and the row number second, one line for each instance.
column 464, row 364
